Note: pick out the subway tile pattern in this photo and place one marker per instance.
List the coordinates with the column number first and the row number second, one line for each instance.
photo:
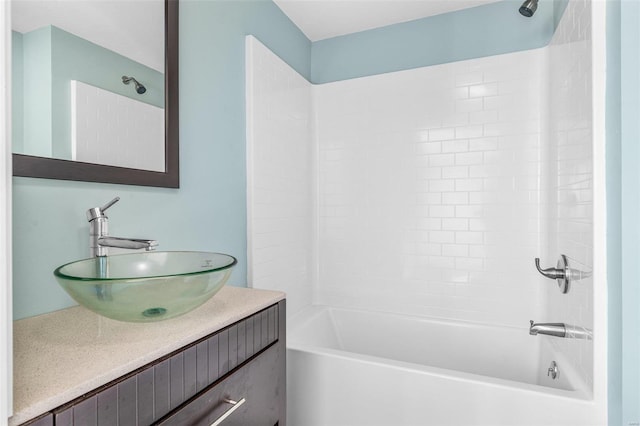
column 153, row 391
column 571, row 178
column 136, row 141
column 430, row 197
column 280, row 177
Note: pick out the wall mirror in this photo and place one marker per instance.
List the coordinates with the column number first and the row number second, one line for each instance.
column 95, row 91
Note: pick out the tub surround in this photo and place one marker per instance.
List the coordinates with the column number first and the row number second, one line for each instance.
column 432, row 194
column 62, row 355
column 279, row 186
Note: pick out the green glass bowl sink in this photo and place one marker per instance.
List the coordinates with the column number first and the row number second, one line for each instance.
column 144, row 287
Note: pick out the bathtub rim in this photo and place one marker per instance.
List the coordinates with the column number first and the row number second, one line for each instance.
column 311, row 312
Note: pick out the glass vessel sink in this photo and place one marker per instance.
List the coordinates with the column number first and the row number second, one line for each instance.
column 144, row 287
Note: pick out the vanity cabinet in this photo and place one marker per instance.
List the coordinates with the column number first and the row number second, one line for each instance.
column 248, row 397
column 242, row 364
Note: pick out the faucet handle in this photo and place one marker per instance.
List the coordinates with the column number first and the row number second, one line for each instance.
column 96, row 212
column 561, row 273
column 109, row 204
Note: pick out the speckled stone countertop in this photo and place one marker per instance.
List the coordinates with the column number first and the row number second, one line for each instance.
column 65, row 354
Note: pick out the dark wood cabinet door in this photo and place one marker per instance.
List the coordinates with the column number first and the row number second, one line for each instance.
column 258, row 383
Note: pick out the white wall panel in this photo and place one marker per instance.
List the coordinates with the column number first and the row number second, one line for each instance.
column 136, row 140
column 430, row 197
column 436, row 187
column 571, row 177
column 280, row 177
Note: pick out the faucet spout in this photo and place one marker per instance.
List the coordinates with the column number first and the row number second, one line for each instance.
column 127, row 243
column 551, row 329
column 99, row 239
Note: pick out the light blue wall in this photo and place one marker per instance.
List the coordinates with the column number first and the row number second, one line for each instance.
column 74, row 58
column 16, row 92
column 208, row 212
column 36, row 95
column 485, row 30
column 558, row 10
column 624, row 310
column 614, row 214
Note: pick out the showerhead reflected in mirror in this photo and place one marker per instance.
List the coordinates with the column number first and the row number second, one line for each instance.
column 528, row 8
column 140, row 89
column 75, row 55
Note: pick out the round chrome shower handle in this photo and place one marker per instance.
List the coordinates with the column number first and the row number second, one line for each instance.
column 561, row 273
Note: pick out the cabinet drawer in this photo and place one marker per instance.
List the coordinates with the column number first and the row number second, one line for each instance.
column 258, row 383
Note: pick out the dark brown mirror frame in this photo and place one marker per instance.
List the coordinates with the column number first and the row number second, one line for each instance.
column 49, row 168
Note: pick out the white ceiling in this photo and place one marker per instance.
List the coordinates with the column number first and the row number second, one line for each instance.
column 134, row 29
column 320, row 19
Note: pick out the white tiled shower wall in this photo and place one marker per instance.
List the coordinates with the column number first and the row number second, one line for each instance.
column 436, row 187
column 430, row 200
column 571, row 182
column 137, row 141
column 280, row 192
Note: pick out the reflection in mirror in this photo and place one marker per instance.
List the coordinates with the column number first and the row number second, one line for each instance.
column 90, row 97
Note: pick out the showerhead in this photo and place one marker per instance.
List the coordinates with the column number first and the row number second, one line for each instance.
column 139, row 87
column 528, row 8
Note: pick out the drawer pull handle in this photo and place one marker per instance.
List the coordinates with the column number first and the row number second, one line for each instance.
column 235, row 406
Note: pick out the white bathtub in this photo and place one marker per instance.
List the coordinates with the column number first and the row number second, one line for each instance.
column 348, row 367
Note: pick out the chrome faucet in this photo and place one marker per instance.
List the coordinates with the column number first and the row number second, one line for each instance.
column 559, row 329
column 99, row 239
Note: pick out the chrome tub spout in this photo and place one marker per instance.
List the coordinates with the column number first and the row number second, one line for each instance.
column 557, row 329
